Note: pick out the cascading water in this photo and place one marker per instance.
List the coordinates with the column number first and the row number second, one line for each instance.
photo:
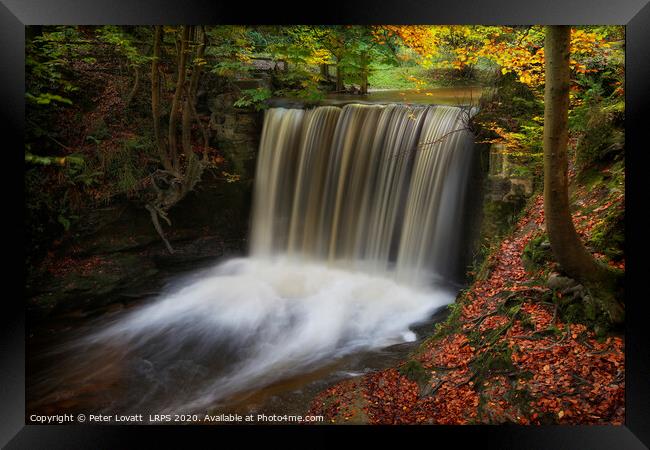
column 356, row 233
column 374, row 187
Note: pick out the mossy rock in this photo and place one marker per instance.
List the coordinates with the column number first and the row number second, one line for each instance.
column 537, row 254
column 499, row 216
column 583, row 310
column 608, row 236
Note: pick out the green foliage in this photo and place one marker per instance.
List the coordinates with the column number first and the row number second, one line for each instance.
column 255, row 98
column 41, row 160
column 51, row 206
column 602, row 140
column 78, row 172
column 597, row 121
column 45, row 98
column 123, row 43
column 230, row 50
column 451, row 324
column 48, row 80
column 300, row 84
column 402, row 77
column 583, row 310
column 123, row 170
column 99, row 132
column 46, row 60
column 608, row 235
column 512, row 115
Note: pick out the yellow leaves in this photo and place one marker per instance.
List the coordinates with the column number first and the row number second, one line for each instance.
column 419, row 83
column 422, row 39
column 230, row 177
column 525, row 55
column 586, row 43
column 200, row 62
column 319, row 56
column 526, row 78
column 513, row 143
column 517, row 50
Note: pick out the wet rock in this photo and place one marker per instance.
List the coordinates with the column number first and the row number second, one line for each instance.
column 90, row 282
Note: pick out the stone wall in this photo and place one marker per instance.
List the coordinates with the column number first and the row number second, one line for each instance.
column 505, row 193
column 236, row 131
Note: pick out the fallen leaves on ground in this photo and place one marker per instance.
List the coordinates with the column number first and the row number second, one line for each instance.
column 505, row 364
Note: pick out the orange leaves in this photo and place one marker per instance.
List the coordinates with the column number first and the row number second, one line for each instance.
column 572, row 381
column 516, row 50
column 422, row 39
column 390, row 397
column 554, row 372
column 337, row 404
column 452, row 352
column 451, row 405
column 525, row 55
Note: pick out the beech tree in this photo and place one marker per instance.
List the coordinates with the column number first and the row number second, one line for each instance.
column 569, row 251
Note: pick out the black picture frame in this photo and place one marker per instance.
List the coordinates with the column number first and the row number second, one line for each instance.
column 635, row 14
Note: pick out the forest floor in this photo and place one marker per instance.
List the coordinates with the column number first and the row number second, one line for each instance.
column 510, row 350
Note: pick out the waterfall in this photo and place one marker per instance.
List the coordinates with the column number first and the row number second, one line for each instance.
column 374, row 187
column 356, row 231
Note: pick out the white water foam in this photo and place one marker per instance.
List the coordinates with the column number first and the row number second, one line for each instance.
column 279, row 316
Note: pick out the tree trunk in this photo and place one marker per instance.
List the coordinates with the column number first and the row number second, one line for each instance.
column 324, row 72
column 574, row 258
column 189, row 108
column 180, row 83
column 364, row 73
column 155, row 99
column 136, row 86
column 340, row 86
column 186, row 122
